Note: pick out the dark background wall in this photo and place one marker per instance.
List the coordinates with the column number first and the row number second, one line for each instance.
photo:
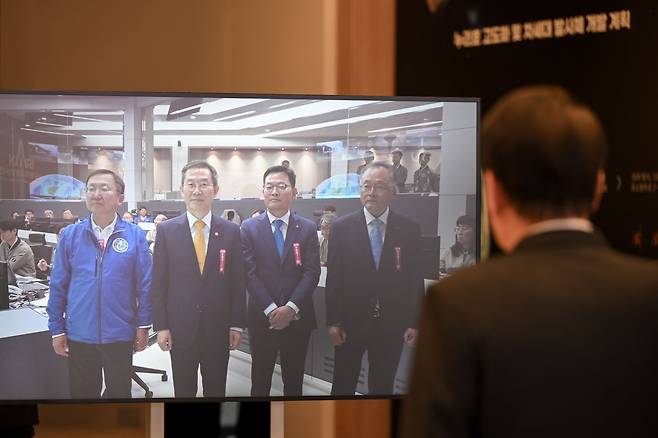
column 613, row 71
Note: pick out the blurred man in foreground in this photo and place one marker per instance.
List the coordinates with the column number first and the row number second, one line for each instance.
column 558, row 337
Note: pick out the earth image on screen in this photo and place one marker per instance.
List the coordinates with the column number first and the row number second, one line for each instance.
column 55, row 186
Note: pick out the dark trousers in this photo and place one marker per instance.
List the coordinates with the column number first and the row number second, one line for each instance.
column 384, row 346
column 210, row 352
column 89, row 362
column 265, row 343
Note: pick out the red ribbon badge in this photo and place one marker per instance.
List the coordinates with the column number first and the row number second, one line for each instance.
column 398, row 258
column 297, row 249
column 222, row 260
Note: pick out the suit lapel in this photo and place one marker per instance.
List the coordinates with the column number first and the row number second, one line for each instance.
column 392, row 230
column 214, row 238
column 362, row 239
column 265, row 231
column 184, row 235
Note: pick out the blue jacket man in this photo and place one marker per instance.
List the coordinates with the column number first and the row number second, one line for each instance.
column 99, row 307
column 282, row 260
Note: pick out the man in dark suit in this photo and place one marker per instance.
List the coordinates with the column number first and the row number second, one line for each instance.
column 373, row 286
column 198, row 287
column 558, row 337
column 399, row 171
column 282, row 261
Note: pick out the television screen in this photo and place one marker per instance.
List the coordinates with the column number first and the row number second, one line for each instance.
column 287, row 262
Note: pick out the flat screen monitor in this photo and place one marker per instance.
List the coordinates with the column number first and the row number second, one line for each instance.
column 4, row 286
column 390, row 175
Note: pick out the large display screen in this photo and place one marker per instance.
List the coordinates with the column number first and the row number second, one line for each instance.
column 329, row 217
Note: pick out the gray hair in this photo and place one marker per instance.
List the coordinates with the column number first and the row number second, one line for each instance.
column 380, row 165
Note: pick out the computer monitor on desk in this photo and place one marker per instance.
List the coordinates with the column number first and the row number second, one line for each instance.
column 4, row 286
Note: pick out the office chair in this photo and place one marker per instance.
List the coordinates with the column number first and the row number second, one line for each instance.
column 137, row 369
column 41, row 250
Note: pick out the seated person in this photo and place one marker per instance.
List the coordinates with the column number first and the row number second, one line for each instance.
column 68, row 216
column 29, row 218
column 43, row 265
column 232, row 216
column 462, row 253
column 143, row 216
column 325, row 224
column 150, row 235
column 15, row 251
column 128, row 217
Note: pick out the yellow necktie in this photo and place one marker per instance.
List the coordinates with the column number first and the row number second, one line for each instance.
column 200, row 244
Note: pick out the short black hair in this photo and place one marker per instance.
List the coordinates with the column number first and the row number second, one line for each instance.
column 118, row 181
column 281, row 169
column 546, row 150
column 329, row 207
column 200, row 164
column 466, row 220
column 28, row 210
column 143, row 207
column 9, row 224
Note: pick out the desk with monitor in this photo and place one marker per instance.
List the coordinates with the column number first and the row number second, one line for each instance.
column 29, row 369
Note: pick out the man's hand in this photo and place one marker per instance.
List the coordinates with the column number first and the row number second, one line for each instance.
column 141, row 339
column 234, row 337
column 61, row 345
column 410, row 337
column 280, row 317
column 164, row 340
column 43, row 265
column 337, row 335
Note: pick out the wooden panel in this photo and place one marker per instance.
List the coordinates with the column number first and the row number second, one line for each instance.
column 93, row 421
column 363, row 418
column 366, row 47
column 165, row 45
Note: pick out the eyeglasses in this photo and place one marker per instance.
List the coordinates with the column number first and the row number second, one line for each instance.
column 462, row 229
column 377, row 188
column 104, row 189
column 201, row 186
column 281, row 187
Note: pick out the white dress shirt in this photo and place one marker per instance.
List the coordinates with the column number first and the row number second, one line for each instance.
column 191, row 219
column 284, row 230
column 103, row 233
column 369, row 221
